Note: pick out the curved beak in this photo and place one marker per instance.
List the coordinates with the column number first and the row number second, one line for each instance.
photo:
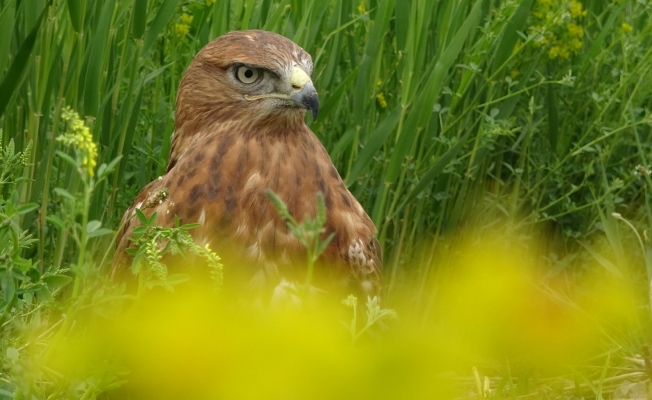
column 307, row 98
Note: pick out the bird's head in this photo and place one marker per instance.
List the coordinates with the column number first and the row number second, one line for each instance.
column 253, row 76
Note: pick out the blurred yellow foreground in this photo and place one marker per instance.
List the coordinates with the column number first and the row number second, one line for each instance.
column 486, row 305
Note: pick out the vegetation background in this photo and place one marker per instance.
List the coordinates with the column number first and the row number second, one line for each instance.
column 466, row 128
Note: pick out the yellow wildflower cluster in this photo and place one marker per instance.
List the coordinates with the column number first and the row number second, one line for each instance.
column 79, row 136
column 380, row 96
column 381, row 100
column 210, row 2
column 182, row 27
column 362, row 7
column 558, row 25
column 626, row 28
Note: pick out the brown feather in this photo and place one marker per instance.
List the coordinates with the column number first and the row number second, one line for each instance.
column 227, row 151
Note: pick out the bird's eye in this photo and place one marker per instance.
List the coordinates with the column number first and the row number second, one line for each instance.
column 247, row 74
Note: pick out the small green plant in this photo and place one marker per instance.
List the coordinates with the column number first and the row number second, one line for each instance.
column 376, row 316
column 310, row 231
column 152, row 242
column 76, row 207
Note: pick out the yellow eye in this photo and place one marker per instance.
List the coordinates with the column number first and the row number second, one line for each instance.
column 247, row 74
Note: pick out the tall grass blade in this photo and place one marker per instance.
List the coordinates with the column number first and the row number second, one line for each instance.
column 375, row 142
column 7, row 20
column 75, row 13
column 510, row 35
column 162, row 18
column 422, row 109
column 139, row 19
column 18, row 67
column 95, row 62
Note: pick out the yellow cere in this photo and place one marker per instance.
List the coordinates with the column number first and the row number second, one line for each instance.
column 299, row 78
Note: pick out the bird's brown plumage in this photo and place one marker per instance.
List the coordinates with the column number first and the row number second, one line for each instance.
column 232, row 142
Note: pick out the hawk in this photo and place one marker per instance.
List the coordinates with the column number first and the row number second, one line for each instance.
column 240, row 131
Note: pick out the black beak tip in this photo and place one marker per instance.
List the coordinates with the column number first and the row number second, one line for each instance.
column 312, row 104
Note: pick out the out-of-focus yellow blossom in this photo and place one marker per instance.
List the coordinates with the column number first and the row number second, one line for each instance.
column 381, row 100
column 558, row 51
column 378, row 83
column 577, row 10
column 186, row 19
column 554, row 31
column 489, row 303
column 182, row 28
column 362, row 8
column 79, row 136
column 514, row 73
column 575, row 30
column 210, row 2
column 626, row 28
column 575, row 44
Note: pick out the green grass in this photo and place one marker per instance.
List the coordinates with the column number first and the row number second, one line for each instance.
column 452, row 121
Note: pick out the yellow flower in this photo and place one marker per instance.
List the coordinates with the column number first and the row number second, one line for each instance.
column 381, row 100
column 517, row 47
column 553, row 52
column 181, row 29
column 378, row 83
column 626, row 28
column 575, row 30
column 575, row 44
column 514, row 73
column 577, row 10
column 210, row 2
column 362, row 8
column 186, row 19
column 79, row 136
column 563, row 52
column 545, row 2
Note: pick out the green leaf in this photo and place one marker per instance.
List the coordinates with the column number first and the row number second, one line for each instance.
column 63, row 193
column 67, row 159
column 100, row 232
column 25, row 208
column 105, row 169
column 176, row 279
column 56, row 281
column 93, row 225
column 373, row 145
column 8, row 287
column 608, row 265
column 139, row 18
column 45, row 293
column 55, row 220
column 95, row 60
column 7, row 20
column 18, row 67
column 598, row 42
column 75, row 13
column 18, row 274
column 165, row 12
column 34, row 274
column 141, row 216
column 372, row 49
column 510, row 35
column 553, row 120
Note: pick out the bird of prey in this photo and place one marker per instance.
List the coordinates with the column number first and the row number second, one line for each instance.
column 240, row 131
